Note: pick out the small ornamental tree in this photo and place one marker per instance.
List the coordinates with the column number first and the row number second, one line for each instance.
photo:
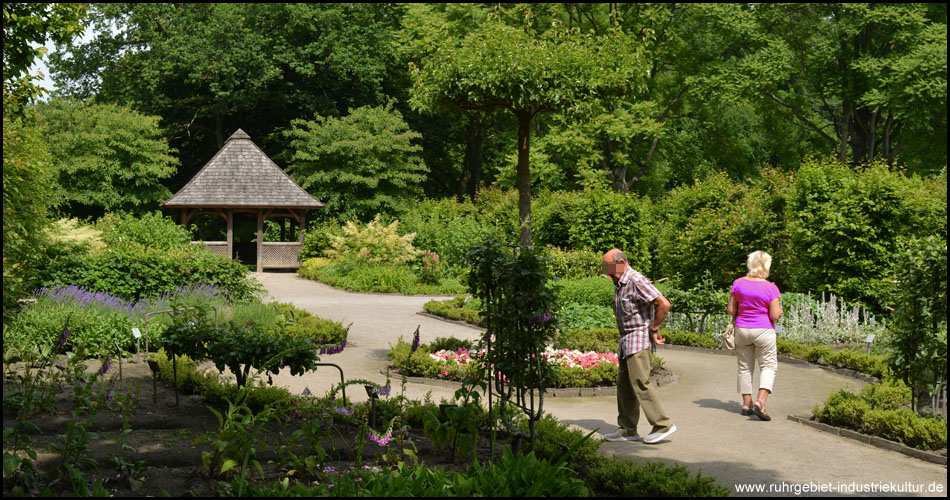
column 919, row 323
column 515, row 288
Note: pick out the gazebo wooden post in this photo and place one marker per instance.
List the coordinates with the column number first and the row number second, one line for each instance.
column 230, row 218
column 260, row 240
column 302, row 223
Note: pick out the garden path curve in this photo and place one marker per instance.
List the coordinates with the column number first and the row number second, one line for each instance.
column 711, row 436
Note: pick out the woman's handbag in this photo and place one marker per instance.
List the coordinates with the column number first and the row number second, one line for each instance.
column 729, row 338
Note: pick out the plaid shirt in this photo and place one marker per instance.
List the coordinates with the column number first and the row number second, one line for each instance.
column 633, row 307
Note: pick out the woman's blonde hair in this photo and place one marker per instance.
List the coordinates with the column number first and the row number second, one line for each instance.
column 759, row 263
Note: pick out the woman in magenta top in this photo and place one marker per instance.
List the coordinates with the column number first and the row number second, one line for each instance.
column 754, row 303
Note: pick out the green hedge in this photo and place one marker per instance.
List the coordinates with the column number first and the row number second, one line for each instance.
column 593, row 290
column 132, row 271
column 880, row 410
column 455, row 309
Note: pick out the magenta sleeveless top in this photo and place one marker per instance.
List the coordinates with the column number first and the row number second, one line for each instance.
column 752, row 299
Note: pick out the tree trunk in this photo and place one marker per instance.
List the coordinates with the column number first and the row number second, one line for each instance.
column 474, row 156
column 524, row 177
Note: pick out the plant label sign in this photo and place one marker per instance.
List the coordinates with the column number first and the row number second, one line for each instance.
column 136, row 333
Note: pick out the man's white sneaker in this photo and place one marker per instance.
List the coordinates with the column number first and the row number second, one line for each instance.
column 616, row 436
column 654, row 437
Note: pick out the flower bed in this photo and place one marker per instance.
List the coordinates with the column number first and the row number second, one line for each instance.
column 572, row 367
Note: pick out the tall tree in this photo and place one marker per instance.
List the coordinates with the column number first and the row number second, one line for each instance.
column 358, row 165
column 500, row 67
column 208, row 69
column 868, row 79
column 106, row 158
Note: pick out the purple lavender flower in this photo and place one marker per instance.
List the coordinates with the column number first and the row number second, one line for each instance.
column 109, row 397
column 306, row 391
column 415, row 340
column 105, row 367
column 334, row 350
column 382, row 391
column 342, row 411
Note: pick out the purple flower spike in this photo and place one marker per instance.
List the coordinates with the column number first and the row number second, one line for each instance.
column 306, row 391
column 415, row 340
column 381, row 440
column 383, row 391
column 343, row 411
column 105, row 367
column 62, row 341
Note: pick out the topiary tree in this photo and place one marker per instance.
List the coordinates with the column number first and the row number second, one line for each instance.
column 500, row 67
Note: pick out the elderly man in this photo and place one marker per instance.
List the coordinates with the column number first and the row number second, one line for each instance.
column 634, row 301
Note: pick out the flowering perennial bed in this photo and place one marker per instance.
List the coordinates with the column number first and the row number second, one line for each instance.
column 575, row 368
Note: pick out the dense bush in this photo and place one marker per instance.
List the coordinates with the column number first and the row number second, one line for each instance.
column 586, row 316
column 594, row 290
column 318, row 330
column 880, row 411
column 457, row 309
column 597, row 340
column 605, row 219
column 148, row 230
column 132, row 271
column 448, row 228
column 844, row 225
column 574, row 264
column 714, row 224
column 620, row 476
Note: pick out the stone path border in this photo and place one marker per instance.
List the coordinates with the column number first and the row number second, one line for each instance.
column 878, row 442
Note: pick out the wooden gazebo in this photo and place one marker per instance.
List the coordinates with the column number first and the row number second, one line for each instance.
column 241, row 178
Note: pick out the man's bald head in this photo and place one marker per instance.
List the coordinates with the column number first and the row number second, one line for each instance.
column 614, row 264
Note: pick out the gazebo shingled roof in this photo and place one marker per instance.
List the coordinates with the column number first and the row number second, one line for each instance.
column 241, row 178
column 241, row 175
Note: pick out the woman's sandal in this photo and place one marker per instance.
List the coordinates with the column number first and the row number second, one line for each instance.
column 760, row 412
column 745, row 412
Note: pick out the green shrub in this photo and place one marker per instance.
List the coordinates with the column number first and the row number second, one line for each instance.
column 713, row 224
column 92, row 329
column 554, row 438
column 132, row 272
column 318, row 330
column 316, row 240
column 456, row 309
column 881, row 410
column 448, row 228
column 845, row 223
column 594, row 290
column 676, row 337
column 586, row 316
column 574, row 264
column 598, row 340
column 654, row 479
column 148, row 230
column 908, row 427
column 373, row 242
column 449, row 344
